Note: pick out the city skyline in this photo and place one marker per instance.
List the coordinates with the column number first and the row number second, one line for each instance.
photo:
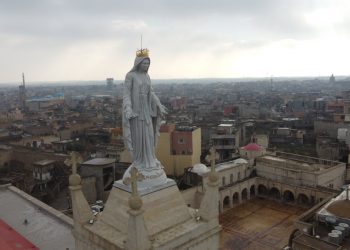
column 60, row 40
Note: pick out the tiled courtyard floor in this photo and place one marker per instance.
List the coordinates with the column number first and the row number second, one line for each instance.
column 258, row 224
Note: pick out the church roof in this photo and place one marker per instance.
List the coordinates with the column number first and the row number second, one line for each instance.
column 42, row 226
column 253, row 147
column 11, row 239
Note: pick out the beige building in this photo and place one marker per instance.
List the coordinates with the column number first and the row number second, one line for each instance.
column 178, row 148
column 281, row 176
column 301, row 170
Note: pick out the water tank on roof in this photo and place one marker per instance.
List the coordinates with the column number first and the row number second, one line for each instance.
column 330, row 219
column 346, row 227
column 334, row 238
column 340, row 229
column 339, row 233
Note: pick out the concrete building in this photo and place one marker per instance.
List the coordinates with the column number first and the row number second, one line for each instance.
column 225, row 140
column 110, row 82
column 178, row 103
column 42, row 103
column 178, row 148
column 291, row 178
column 61, row 146
column 102, row 170
column 301, row 170
column 42, row 171
column 325, row 226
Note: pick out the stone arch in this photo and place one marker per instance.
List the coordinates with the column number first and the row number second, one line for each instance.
column 262, row 190
column 252, row 190
column 235, row 198
column 274, row 193
column 303, row 199
column 244, row 194
column 288, row 196
column 226, row 202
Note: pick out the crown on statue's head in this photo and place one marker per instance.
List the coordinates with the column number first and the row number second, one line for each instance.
column 142, row 53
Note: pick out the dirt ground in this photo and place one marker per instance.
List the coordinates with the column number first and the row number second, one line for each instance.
column 258, row 224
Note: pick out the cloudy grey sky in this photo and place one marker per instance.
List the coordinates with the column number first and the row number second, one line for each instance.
column 56, row 40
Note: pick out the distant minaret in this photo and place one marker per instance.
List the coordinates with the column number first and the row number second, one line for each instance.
column 332, row 79
column 271, row 84
column 22, row 94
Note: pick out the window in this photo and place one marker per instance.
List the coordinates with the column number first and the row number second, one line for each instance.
column 181, row 141
column 239, row 176
column 231, row 178
column 223, row 181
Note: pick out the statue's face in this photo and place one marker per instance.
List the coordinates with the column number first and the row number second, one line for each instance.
column 144, row 65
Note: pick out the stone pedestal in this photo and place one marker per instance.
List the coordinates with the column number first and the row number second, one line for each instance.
column 163, row 222
column 150, row 178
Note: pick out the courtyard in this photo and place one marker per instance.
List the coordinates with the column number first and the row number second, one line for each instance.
column 258, row 224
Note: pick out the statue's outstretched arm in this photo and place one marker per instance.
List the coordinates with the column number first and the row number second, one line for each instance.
column 162, row 109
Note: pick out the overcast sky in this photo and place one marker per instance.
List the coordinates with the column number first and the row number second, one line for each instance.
column 57, row 40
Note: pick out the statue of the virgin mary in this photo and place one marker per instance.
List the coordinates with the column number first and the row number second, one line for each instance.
column 142, row 116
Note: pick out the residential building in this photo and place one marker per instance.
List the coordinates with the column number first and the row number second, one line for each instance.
column 178, row 148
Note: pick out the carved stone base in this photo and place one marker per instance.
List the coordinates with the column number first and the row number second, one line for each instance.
column 150, row 178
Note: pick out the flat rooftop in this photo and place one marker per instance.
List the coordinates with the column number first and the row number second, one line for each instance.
column 43, row 162
column 10, row 239
column 301, row 162
column 99, row 161
column 43, row 226
column 258, row 224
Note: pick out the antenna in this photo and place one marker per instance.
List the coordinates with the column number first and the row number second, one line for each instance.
column 23, row 80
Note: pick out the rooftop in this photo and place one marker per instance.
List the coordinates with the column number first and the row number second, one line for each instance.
column 338, row 207
column 201, row 169
column 301, row 162
column 40, row 224
column 100, row 161
column 43, row 162
column 11, row 239
column 253, row 147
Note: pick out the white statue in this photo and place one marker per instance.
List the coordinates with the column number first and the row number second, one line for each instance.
column 142, row 116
